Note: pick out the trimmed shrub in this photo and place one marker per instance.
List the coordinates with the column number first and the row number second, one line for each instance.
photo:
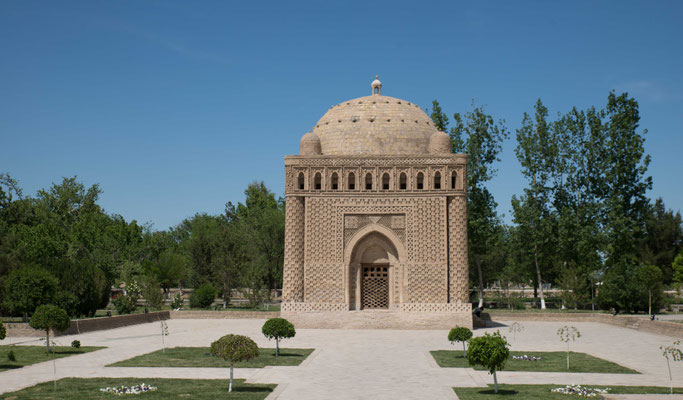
column 3, row 331
column 11, row 356
column 460, row 334
column 491, row 352
column 76, row 344
column 278, row 328
column 48, row 317
column 203, row 296
column 234, row 348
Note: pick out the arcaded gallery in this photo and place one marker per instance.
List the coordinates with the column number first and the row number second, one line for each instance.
column 376, row 220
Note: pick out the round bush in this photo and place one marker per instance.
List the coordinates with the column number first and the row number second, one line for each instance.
column 235, row 348
column 459, row 334
column 3, row 332
column 203, row 296
column 76, row 344
column 278, row 328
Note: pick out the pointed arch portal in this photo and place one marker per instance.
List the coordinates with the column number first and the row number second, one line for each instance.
column 373, row 259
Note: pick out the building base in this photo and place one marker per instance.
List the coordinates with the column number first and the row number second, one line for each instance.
column 379, row 319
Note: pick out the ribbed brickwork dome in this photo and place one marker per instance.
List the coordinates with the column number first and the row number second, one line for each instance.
column 375, row 125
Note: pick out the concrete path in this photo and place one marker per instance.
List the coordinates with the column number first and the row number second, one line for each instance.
column 355, row 364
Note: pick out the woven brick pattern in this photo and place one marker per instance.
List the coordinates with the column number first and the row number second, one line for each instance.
column 293, row 274
column 457, row 242
column 427, row 283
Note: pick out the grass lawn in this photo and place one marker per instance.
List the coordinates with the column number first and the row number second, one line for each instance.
column 27, row 355
column 201, row 357
column 538, row 392
column 552, row 361
column 78, row 388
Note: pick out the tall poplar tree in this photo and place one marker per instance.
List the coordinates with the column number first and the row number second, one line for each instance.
column 535, row 148
column 480, row 136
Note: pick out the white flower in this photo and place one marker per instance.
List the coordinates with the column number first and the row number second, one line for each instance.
column 136, row 389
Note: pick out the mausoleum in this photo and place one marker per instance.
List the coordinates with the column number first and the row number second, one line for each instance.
column 376, row 220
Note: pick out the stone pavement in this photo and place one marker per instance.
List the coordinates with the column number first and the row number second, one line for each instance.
column 355, row 364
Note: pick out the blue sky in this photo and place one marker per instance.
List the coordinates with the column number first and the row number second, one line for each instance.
column 173, row 107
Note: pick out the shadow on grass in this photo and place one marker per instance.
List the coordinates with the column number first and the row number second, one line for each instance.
column 9, row 366
column 501, row 392
column 250, row 389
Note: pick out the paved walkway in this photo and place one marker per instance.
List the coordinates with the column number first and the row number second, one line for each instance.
column 355, row 364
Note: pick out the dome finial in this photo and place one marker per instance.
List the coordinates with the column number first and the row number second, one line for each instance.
column 376, row 86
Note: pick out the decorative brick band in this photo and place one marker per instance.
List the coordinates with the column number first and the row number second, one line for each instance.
column 436, row 307
column 312, row 307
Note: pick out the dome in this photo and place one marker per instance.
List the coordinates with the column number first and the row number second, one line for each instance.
column 440, row 143
column 375, row 125
column 309, row 144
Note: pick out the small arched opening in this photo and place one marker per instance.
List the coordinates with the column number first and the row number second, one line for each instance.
column 352, row 181
column 301, row 181
column 403, row 181
column 368, row 181
column 318, row 181
column 420, row 181
column 334, row 181
column 437, row 180
column 386, row 181
column 454, row 179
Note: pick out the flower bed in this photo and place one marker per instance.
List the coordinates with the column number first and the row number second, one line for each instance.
column 527, row 358
column 581, row 391
column 136, row 389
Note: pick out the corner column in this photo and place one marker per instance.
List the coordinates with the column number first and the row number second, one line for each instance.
column 458, row 275
column 293, row 274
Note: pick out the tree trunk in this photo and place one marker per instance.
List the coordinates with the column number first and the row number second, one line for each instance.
column 481, row 281
column 47, row 339
column 538, row 276
column 464, row 349
column 230, row 387
column 649, row 303
column 670, row 378
column 495, row 382
column 277, row 347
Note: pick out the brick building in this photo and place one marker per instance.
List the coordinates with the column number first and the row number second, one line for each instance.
column 376, row 221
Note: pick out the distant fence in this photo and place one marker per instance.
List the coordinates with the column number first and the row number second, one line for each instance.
column 90, row 324
column 643, row 324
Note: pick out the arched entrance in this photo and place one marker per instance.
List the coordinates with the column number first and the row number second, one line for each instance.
column 374, row 270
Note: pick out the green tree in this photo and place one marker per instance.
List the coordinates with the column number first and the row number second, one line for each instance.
column 47, row 317
column 491, row 351
column 460, row 334
column 234, row 348
column 439, row 118
column 625, row 171
column 663, row 239
column 151, row 291
column 278, row 329
column 677, row 267
column 480, row 136
column 27, row 288
column 650, row 276
column 534, row 148
column 203, row 296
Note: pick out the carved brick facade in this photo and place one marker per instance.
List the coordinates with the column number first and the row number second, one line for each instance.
column 404, row 213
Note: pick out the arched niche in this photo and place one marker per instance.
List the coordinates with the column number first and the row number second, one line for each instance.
column 372, row 247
